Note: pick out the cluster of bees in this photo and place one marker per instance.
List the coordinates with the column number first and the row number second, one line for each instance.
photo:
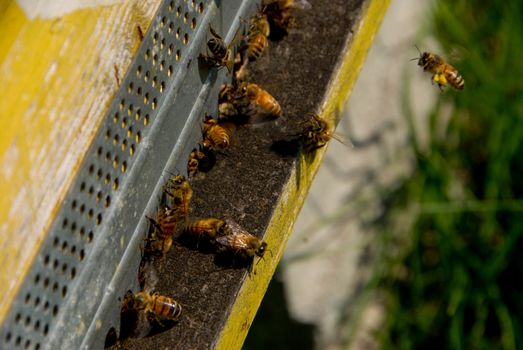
column 240, row 102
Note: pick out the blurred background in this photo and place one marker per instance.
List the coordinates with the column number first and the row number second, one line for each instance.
column 410, row 240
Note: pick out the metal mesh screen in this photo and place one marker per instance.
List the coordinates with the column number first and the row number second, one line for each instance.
column 70, row 298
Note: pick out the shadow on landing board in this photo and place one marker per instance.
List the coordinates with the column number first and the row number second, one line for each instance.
column 273, row 328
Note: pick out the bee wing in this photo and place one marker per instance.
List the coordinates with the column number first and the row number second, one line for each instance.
column 458, row 54
column 148, row 276
column 258, row 115
column 302, row 4
column 235, row 241
column 343, row 140
column 236, row 39
column 233, row 227
column 143, row 325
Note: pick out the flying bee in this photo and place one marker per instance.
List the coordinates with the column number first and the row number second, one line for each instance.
column 179, row 190
column 244, row 244
column 317, row 132
column 217, row 135
column 208, row 227
column 263, row 106
column 165, row 227
column 442, row 72
column 221, row 54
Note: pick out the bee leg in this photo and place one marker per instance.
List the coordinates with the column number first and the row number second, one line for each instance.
column 434, row 79
column 241, row 72
column 154, row 223
column 442, row 82
column 156, row 319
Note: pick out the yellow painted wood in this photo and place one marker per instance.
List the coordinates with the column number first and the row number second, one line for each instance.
column 57, row 80
column 252, row 291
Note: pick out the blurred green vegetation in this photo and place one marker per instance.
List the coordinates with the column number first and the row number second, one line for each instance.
column 457, row 284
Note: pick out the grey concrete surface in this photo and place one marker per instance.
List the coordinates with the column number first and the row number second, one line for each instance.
column 327, row 261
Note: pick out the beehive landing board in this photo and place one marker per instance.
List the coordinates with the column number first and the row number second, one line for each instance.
column 248, row 179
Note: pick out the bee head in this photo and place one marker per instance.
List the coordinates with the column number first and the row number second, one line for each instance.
column 424, row 58
column 261, row 250
column 244, row 88
column 250, row 90
column 139, row 301
column 209, row 120
column 223, row 229
column 179, row 179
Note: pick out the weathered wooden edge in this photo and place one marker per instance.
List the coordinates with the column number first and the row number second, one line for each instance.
column 248, row 300
column 33, row 189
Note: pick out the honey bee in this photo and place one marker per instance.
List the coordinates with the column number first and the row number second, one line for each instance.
column 165, row 227
column 257, row 41
column 242, row 243
column 179, row 190
column 317, row 133
column 217, row 135
column 208, row 227
column 159, row 306
column 143, row 311
column 247, row 100
column 221, row 54
column 279, row 13
column 263, row 106
column 442, row 72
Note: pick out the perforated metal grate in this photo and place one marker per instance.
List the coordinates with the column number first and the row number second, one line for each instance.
column 70, row 298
